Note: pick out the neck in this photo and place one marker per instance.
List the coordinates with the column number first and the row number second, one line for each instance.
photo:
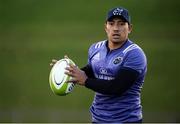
column 113, row 45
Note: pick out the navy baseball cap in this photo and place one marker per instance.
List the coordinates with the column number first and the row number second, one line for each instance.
column 118, row 12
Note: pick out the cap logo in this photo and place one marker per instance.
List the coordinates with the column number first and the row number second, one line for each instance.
column 117, row 11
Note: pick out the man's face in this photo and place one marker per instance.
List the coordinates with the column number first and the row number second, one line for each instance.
column 117, row 30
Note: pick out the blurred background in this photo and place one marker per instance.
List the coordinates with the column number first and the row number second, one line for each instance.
column 32, row 32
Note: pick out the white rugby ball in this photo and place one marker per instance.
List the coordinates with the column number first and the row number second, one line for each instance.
column 58, row 79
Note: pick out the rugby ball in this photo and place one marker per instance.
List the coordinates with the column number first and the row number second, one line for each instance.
column 58, row 79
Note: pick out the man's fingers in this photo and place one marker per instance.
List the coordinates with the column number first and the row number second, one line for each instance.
column 69, row 73
column 70, row 69
column 73, row 66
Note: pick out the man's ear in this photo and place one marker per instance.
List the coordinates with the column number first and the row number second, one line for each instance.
column 130, row 26
column 105, row 27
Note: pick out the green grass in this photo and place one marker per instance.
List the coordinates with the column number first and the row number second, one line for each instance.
column 34, row 32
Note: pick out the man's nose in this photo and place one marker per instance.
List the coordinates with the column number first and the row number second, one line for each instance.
column 116, row 28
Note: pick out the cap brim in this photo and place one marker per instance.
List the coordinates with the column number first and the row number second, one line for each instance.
column 117, row 16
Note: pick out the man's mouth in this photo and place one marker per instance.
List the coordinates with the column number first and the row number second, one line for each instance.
column 116, row 35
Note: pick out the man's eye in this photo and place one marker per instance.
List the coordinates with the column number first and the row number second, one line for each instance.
column 111, row 23
column 122, row 23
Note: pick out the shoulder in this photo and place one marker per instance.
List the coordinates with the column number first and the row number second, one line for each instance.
column 134, row 57
column 132, row 47
column 96, row 46
column 134, row 50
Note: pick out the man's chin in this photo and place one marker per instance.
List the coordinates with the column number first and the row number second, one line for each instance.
column 116, row 41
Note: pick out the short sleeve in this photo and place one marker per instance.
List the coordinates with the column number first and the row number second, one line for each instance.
column 135, row 59
column 90, row 52
column 94, row 48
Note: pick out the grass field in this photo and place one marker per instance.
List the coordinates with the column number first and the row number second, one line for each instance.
column 33, row 32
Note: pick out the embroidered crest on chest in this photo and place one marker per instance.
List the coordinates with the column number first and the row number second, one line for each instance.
column 117, row 60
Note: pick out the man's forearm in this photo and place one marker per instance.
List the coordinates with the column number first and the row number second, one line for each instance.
column 117, row 86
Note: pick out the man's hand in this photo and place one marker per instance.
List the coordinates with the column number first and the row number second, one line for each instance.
column 78, row 76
